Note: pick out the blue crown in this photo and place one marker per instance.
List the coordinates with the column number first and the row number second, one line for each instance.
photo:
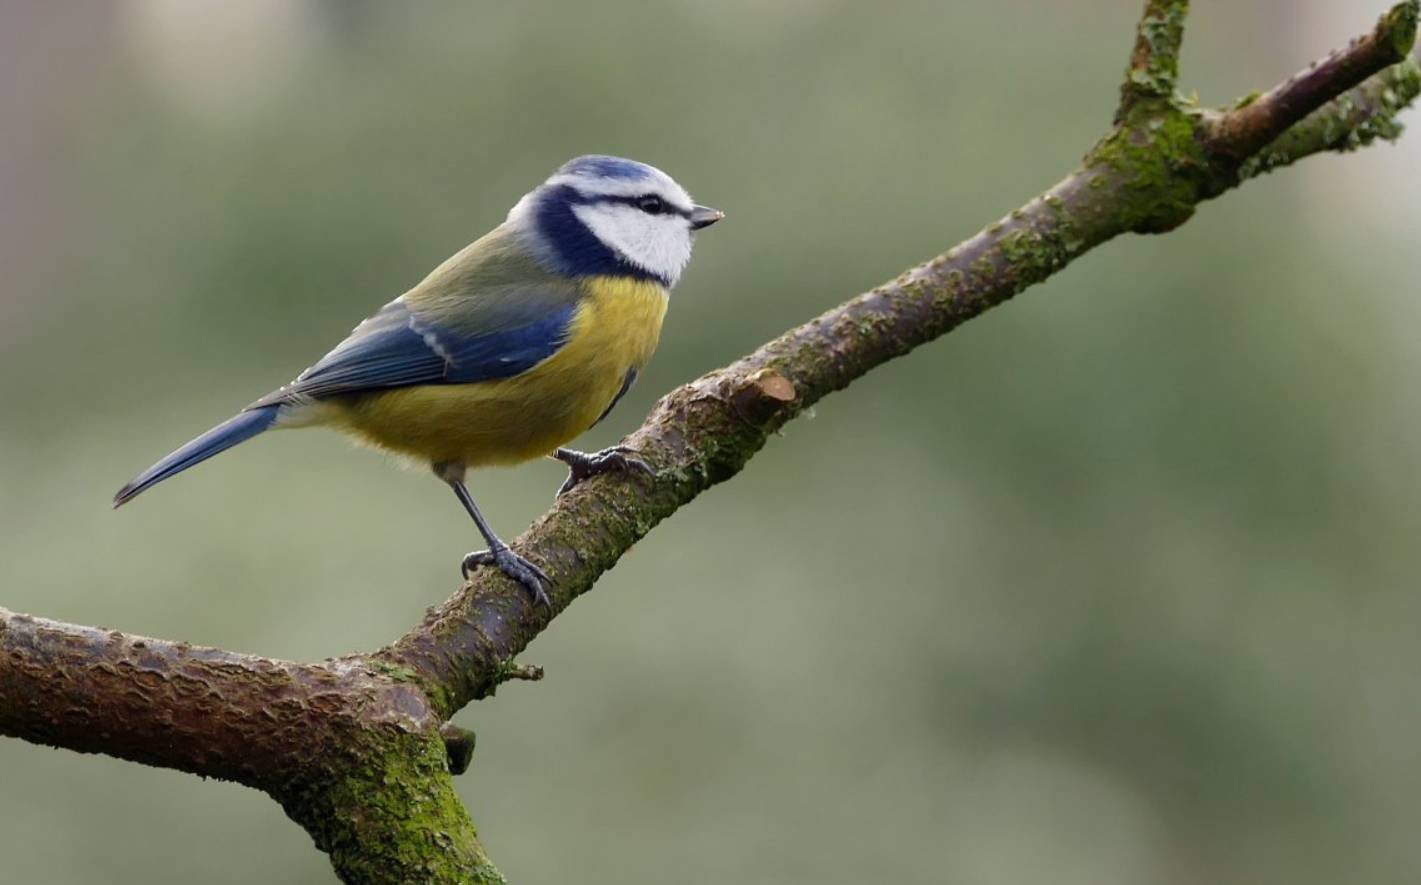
column 604, row 166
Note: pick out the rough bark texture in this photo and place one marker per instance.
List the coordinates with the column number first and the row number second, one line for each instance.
column 351, row 749
column 358, row 750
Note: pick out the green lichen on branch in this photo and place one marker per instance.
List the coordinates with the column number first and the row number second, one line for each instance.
column 1154, row 64
column 1346, row 123
column 386, row 812
column 1399, row 26
column 1158, row 159
column 1247, row 129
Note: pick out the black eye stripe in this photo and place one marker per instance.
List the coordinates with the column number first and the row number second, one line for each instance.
column 667, row 207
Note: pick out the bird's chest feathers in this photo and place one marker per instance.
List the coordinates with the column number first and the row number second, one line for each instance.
column 616, row 328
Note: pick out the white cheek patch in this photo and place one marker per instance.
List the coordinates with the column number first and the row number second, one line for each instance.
column 659, row 244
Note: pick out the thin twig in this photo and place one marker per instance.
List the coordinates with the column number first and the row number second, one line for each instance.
column 1243, row 131
column 1154, row 64
column 1346, row 123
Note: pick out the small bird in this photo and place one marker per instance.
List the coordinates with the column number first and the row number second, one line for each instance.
column 506, row 351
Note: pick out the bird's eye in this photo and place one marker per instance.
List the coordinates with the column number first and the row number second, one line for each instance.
column 651, row 205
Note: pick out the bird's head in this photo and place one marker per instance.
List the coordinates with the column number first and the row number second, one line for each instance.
column 608, row 215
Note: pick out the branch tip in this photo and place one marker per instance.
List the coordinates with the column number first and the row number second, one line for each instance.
column 1251, row 126
column 1154, row 63
column 1347, row 123
column 1398, row 27
column 509, row 671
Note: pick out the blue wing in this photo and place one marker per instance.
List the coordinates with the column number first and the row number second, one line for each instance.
column 490, row 311
column 399, row 347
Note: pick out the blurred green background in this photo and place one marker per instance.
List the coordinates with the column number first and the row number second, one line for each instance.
column 1117, row 584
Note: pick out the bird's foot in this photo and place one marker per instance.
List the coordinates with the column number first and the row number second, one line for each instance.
column 584, row 465
column 516, row 567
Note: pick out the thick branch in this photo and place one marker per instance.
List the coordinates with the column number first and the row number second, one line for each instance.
column 160, row 703
column 321, row 739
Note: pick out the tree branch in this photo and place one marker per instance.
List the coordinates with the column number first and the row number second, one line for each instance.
column 324, row 740
column 1346, row 123
column 1248, row 128
column 1154, row 64
column 358, row 751
column 175, row 705
column 1147, row 174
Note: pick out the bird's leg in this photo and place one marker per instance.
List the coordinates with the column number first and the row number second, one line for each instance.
column 584, row 465
column 498, row 553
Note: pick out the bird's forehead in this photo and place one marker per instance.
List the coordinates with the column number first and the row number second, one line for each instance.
column 597, row 175
column 601, row 166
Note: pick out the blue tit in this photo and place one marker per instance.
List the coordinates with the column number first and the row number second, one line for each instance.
column 506, row 351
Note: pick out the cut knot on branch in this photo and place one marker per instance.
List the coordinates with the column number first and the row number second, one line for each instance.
column 756, row 397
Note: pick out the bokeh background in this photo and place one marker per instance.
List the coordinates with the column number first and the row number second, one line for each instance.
column 1116, row 584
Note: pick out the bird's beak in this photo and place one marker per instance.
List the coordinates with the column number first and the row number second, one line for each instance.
column 704, row 216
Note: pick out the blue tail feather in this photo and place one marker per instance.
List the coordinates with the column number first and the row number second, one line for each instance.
column 220, row 438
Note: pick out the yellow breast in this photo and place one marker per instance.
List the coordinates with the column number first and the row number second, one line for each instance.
column 509, row 420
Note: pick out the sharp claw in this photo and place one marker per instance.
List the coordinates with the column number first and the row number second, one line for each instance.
column 533, row 579
column 474, row 560
column 583, row 465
